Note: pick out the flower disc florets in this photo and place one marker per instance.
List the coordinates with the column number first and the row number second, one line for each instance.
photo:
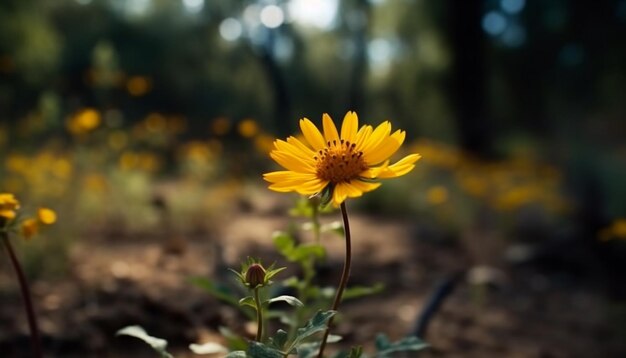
column 339, row 162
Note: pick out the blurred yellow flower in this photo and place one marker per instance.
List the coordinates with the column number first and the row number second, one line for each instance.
column 437, row 195
column 138, row 85
column 30, row 228
column 248, row 128
column 84, row 121
column 8, row 206
column 339, row 166
column 46, row 216
column 220, row 126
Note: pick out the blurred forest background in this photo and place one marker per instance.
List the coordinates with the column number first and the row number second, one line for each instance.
column 112, row 110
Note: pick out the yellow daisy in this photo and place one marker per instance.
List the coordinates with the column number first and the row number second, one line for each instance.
column 340, row 166
column 8, row 206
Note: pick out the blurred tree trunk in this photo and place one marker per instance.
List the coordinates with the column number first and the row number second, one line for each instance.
column 468, row 76
column 359, row 67
column 282, row 104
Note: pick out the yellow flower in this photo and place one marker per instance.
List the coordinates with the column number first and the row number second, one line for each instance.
column 30, row 228
column 8, row 206
column 339, row 166
column 46, row 216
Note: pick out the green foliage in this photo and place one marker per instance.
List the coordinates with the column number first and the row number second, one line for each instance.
column 158, row 344
column 286, row 246
column 385, row 347
column 297, row 340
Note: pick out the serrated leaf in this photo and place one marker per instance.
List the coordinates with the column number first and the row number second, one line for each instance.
column 248, row 301
column 260, row 350
column 207, row 348
column 236, row 354
column 385, row 347
column 289, row 299
column 316, row 324
column 158, row 344
column 311, row 350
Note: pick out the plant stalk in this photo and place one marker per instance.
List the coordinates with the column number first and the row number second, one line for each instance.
column 259, row 315
column 344, row 276
column 28, row 304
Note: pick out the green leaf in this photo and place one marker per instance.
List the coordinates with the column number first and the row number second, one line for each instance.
column 236, row 354
column 385, row 347
column 279, row 340
column 271, row 272
column 233, row 341
column 311, row 350
column 316, row 324
column 305, row 251
column 289, row 299
column 356, row 352
column 248, row 301
column 260, row 350
column 218, row 291
column 157, row 344
column 207, row 348
column 283, row 242
column 360, row 291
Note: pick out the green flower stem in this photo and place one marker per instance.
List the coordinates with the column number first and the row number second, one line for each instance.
column 259, row 314
column 344, row 276
column 30, row 312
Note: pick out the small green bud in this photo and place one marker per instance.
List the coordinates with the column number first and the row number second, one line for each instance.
column 255, row 276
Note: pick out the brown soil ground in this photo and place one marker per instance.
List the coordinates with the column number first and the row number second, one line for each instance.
column 120, row 281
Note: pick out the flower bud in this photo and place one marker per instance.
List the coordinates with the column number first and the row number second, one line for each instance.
column 255, row 276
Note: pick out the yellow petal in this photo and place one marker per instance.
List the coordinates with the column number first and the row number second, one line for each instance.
column 297, row 152
column 286, row 176
column 349, row 127
column 289, row 161
column 351, row 190
column 400, row 168
column 385, row 149
column 297, row 143
column 339, row 195
column 312, row 134
column 330, row 131
column 301, row 187
column 364, row 186
column 362, row 135
column 373, row 172
column 378, row 136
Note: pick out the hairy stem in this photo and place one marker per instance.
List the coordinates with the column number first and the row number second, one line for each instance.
column 28, row 304
column 344, row 276
column 259, row 315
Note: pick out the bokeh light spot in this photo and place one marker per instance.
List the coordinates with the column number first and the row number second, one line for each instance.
column 230, row 29
column 512, row 6
column 272, row 16
column 494, row 23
